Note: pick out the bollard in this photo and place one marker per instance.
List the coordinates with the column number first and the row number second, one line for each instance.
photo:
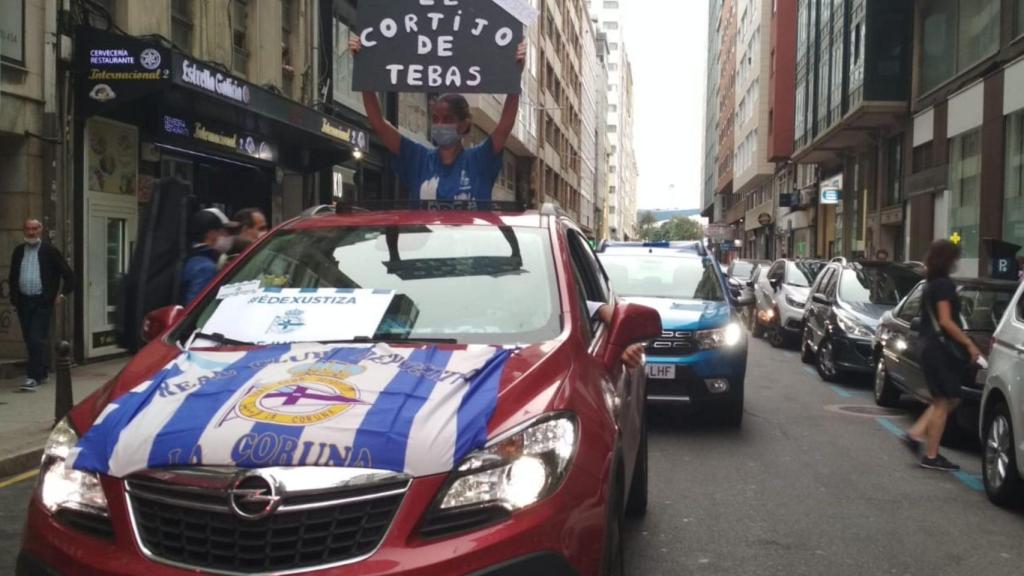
column 64, row 401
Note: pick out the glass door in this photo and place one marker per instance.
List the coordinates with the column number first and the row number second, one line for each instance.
column 111, row 243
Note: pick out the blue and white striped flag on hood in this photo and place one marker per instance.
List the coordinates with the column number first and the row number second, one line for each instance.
column 412, row 410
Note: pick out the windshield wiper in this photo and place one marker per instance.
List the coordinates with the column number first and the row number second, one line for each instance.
column 218, row 338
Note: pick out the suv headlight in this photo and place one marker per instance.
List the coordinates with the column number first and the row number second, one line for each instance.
column 852, row 327
column 60, row 486
column 795, row 303
column 729, row 335
column 515, row 471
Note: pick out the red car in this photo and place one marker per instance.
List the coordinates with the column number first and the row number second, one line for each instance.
column 561, row 459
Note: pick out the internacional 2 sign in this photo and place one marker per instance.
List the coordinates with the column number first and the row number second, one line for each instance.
column 466, row 46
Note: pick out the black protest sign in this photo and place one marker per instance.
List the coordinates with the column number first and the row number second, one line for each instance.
column 466, row 46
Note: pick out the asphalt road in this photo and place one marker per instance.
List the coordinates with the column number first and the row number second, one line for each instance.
column 803, row 488
column 807, row 489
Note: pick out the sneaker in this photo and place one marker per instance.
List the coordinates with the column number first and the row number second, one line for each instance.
column 938, row 463
column 912, row 444
column 30, row 385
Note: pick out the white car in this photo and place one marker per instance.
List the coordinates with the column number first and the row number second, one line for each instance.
column 1002, row 409
column 781, row 295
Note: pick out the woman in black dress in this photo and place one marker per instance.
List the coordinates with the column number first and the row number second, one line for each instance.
column 947, row 354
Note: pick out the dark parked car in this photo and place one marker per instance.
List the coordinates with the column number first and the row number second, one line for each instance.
column 847, row 301
column 982, row 304
column 781, row 294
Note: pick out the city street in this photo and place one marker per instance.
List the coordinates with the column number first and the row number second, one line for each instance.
column 803, row 489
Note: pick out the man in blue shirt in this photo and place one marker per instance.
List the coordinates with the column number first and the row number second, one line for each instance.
column 449, row 171
column 39, row 278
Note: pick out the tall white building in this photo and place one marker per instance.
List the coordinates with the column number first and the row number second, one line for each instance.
column 753, row 173
column 591, row 83
column 622, row 166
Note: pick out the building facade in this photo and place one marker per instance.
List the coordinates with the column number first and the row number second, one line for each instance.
column 142, row 112
column 591, row 99
column 622, row 166
column 964, row 156
column 752, row 171
column 602, row 152
column 709, row 169
column 29, row 144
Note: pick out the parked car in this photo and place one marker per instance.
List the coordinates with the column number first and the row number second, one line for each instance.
column 847, row 302
column 1002, row 409
column 982, row 305
column 534, row 470
column 781, row 296
column 700, row 358
column 739, row 274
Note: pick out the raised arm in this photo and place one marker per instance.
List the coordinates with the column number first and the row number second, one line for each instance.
column 386, row 131
column 508, row 115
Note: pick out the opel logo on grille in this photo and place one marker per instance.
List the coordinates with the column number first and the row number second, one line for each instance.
column 254, row 496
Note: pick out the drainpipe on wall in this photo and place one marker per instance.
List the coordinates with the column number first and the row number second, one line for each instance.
column 56, row 216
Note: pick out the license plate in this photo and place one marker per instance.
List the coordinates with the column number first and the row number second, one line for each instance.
column 661, row 371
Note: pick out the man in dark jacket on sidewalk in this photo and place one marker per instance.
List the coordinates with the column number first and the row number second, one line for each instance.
column 39, row 279
column 208, row 230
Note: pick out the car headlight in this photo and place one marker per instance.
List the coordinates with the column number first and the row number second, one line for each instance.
column 729, row 335
column 795, row 303
column 518, row 470
column 852, row 327
column 60, row 486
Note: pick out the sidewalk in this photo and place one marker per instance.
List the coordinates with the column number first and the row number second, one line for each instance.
column 26, row 418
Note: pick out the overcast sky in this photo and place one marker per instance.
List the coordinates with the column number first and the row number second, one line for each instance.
column 667, row 43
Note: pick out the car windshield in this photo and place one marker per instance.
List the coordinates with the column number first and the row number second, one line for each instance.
column 981, row 308
column 875, row 285
column 470, row 284
column 663, row 277
column 741, row 269
column 802, row 274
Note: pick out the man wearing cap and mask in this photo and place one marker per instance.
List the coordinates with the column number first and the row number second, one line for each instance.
column 209, row 233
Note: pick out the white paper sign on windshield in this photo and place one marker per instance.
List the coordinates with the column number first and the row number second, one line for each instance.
column 300, row 315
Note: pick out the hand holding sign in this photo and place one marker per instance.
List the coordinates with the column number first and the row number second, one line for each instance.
column 438, row 46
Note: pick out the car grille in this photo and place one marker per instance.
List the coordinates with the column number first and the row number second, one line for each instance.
column 673, row 343
column 194, row 525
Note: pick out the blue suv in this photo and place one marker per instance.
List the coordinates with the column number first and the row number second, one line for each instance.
column 701, row 357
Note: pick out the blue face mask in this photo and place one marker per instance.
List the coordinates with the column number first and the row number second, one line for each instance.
column 445, row 135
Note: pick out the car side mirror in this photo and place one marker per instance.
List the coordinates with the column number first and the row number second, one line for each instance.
column 821, row 299
column 631, row 324
column 158, row 321
column 775, row 282
column 915, row 324
column 745, row 300
column 750, row 283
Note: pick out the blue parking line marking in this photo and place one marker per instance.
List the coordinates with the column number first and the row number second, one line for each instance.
column 841, row 392
column 972, row 481
column 891, row 427
column 810, row 371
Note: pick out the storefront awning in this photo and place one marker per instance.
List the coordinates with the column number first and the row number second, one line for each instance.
column 198, row 102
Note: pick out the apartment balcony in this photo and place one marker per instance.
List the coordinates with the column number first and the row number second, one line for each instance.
column 755, row 217
column 735, row 213
column 872, row 94
column 486, row 110
column 928, row 181
column 856, row 130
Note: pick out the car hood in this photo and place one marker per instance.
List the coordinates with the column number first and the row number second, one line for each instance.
column 798, row 293
column 866, row 313
column 527, row 386
column 687, row 314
